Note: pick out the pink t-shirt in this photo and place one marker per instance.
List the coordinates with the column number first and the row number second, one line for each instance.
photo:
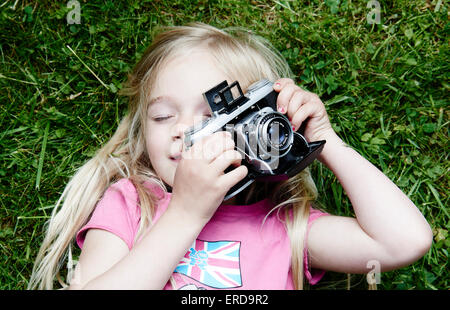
column 235, row 250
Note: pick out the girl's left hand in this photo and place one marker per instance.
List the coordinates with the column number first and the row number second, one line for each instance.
column 300, row 105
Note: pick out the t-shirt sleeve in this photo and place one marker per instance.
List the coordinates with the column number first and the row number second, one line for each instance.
column 118, row 212
column 313, row 275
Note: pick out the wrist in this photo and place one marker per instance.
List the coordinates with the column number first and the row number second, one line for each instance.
column 184, row 217
column 332, row 146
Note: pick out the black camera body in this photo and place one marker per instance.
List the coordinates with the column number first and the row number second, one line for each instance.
column 272, row 151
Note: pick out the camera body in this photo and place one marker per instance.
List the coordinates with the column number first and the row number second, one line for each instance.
column 272, row 151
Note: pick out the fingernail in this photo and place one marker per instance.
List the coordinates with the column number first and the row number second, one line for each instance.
column 281, row 109
column 293, row 127
column 277, row 85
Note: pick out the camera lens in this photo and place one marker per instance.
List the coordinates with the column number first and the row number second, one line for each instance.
column 275, row 134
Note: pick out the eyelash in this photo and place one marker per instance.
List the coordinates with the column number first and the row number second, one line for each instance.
column 163, row 118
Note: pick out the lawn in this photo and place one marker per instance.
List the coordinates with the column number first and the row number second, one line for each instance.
column 384, row 82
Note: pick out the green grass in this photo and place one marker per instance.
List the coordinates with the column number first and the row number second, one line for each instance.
column 384, row 86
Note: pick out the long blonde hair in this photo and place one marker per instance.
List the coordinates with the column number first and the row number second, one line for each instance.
column 242, row 56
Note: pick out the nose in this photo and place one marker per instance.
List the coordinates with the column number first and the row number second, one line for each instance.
column 184, row 123
column 178, row 131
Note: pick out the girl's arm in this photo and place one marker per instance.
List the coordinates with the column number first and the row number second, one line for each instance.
column 389, row 231
column 199, row 187
column 106, row 262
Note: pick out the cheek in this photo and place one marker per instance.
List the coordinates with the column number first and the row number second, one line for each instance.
column 155, row 145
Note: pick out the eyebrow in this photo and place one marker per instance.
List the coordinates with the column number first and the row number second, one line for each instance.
column 159, row 99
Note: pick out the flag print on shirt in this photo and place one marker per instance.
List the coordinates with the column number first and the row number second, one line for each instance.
column 213, row 263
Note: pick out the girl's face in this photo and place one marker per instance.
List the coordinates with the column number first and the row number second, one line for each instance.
column 176, row 104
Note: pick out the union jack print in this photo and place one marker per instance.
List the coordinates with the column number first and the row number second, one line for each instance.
column 213, row 263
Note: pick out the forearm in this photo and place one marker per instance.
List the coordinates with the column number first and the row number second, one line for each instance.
column 382, row 210
column 152, row 261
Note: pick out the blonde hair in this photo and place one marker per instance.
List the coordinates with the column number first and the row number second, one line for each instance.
column 242, row 56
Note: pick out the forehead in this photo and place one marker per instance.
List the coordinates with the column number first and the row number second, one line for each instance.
column 187, row 76
column 171, row 102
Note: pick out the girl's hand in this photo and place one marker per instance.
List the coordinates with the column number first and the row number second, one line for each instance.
column 200, row 183
column 300, row 105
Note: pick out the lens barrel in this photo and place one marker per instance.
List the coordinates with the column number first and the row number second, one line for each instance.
column 273, row 133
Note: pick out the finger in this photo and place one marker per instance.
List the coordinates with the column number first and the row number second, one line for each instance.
column 224, row 160
column 284, row 97
column 297, row 100
column 231, row 178
column 214, row 145
column 305, row 111
column 280, row 83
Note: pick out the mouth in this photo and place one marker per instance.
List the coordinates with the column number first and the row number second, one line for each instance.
column 176, row 158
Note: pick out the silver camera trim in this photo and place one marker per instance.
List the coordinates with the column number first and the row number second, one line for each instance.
column 255, row 92
column 300, row 152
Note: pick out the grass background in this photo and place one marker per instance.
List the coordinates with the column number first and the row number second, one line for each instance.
column 384, row 86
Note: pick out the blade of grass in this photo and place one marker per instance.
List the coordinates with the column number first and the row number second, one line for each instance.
column 27, row 218
column 90, row 130
column 17, row 80
column 337, row 195
column 436, row 196
column 95, row 75
column 42, row 155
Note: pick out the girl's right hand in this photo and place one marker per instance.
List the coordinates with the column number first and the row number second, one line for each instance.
column 200, row 183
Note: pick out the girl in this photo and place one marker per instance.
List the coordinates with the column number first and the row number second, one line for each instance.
column 149, row 214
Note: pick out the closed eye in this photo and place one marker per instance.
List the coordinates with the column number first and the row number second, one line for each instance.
column 166, row 117
column 161, row 118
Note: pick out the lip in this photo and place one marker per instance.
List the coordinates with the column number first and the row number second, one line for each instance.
column 175, row 158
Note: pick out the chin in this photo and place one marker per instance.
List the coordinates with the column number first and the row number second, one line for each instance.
column 166, row 174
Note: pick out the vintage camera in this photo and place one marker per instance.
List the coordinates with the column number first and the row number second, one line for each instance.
column 272, row 151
